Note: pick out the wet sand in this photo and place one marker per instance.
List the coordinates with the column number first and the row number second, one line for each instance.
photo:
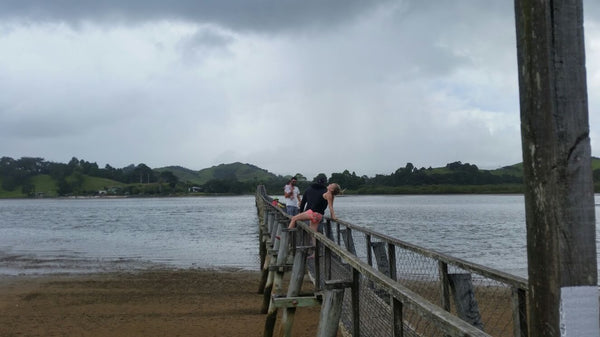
column 148, row 303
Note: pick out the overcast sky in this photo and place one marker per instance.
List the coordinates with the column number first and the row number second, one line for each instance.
column 290, row 86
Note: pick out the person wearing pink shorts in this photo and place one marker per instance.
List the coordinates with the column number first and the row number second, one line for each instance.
column 314, row 216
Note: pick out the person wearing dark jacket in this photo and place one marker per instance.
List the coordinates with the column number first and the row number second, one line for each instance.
column 316, row 204
column 311, row 199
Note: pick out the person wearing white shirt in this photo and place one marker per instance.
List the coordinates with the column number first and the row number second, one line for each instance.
column 291, row 192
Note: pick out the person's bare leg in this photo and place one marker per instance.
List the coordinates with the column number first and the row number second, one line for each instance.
column 301, row 216
column 314, row 227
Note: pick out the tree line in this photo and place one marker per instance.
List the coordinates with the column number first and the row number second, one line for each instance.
column 141, row 179
column 15, row 173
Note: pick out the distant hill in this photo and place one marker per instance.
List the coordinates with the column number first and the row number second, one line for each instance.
column 183, row 174
column 517, row 169
column 241, row 172
column 234, row 171
column 511, row 170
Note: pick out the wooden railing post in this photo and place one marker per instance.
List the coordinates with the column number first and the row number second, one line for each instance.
column 397, row 326
column 296, row 279
column 355, row 302
column 272, row 227
column 327, row 230
column 277, row 280
column 383, row 263
column 276, row 231
column 265, row 244
column 444, row 285
column 317, row 260
column 464, row 299
column 557, row 170
column 392, row 259
column 369, row 252
column 331, row 309
column 327, row 262
column 519, row 309
column 349, row 241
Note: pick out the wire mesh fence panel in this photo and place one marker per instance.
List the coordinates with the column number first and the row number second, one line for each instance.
column 495, row 303
column 420, row 274
column 416, row 325
column 374, row 312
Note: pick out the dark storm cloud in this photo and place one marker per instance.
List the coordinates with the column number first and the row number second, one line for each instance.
column 260, row 15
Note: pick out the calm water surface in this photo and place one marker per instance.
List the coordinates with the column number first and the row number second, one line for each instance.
column 85, row 235
column 486, row 229
column 82, row 235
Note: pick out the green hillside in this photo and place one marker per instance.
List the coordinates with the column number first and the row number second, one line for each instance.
column 97, row 184
column 517, row 169
column 183, row 174
column 234, row 171
column 241, row 172
column 512, row 170
column 44, row 185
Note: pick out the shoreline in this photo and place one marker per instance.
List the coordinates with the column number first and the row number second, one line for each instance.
column 153, row 302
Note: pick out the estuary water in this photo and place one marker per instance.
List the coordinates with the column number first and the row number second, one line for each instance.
column 43, row 236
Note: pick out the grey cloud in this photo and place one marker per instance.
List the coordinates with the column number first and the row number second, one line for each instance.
column 262, row 15
column 203, row 42
column 209, row 38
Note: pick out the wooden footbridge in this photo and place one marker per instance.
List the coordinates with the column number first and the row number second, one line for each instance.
column 370, row 284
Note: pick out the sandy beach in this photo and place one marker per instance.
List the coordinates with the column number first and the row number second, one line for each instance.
column 148, row 303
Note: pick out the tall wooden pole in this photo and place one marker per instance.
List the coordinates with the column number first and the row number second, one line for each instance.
column 559, row 196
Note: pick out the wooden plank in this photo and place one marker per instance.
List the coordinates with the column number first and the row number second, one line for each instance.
column 296, row 302
column 337, row 284
column 281, row 269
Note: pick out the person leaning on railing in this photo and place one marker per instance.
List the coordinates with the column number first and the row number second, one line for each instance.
column 317, row 198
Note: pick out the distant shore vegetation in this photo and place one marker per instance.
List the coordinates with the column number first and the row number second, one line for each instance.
column 32, row 177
